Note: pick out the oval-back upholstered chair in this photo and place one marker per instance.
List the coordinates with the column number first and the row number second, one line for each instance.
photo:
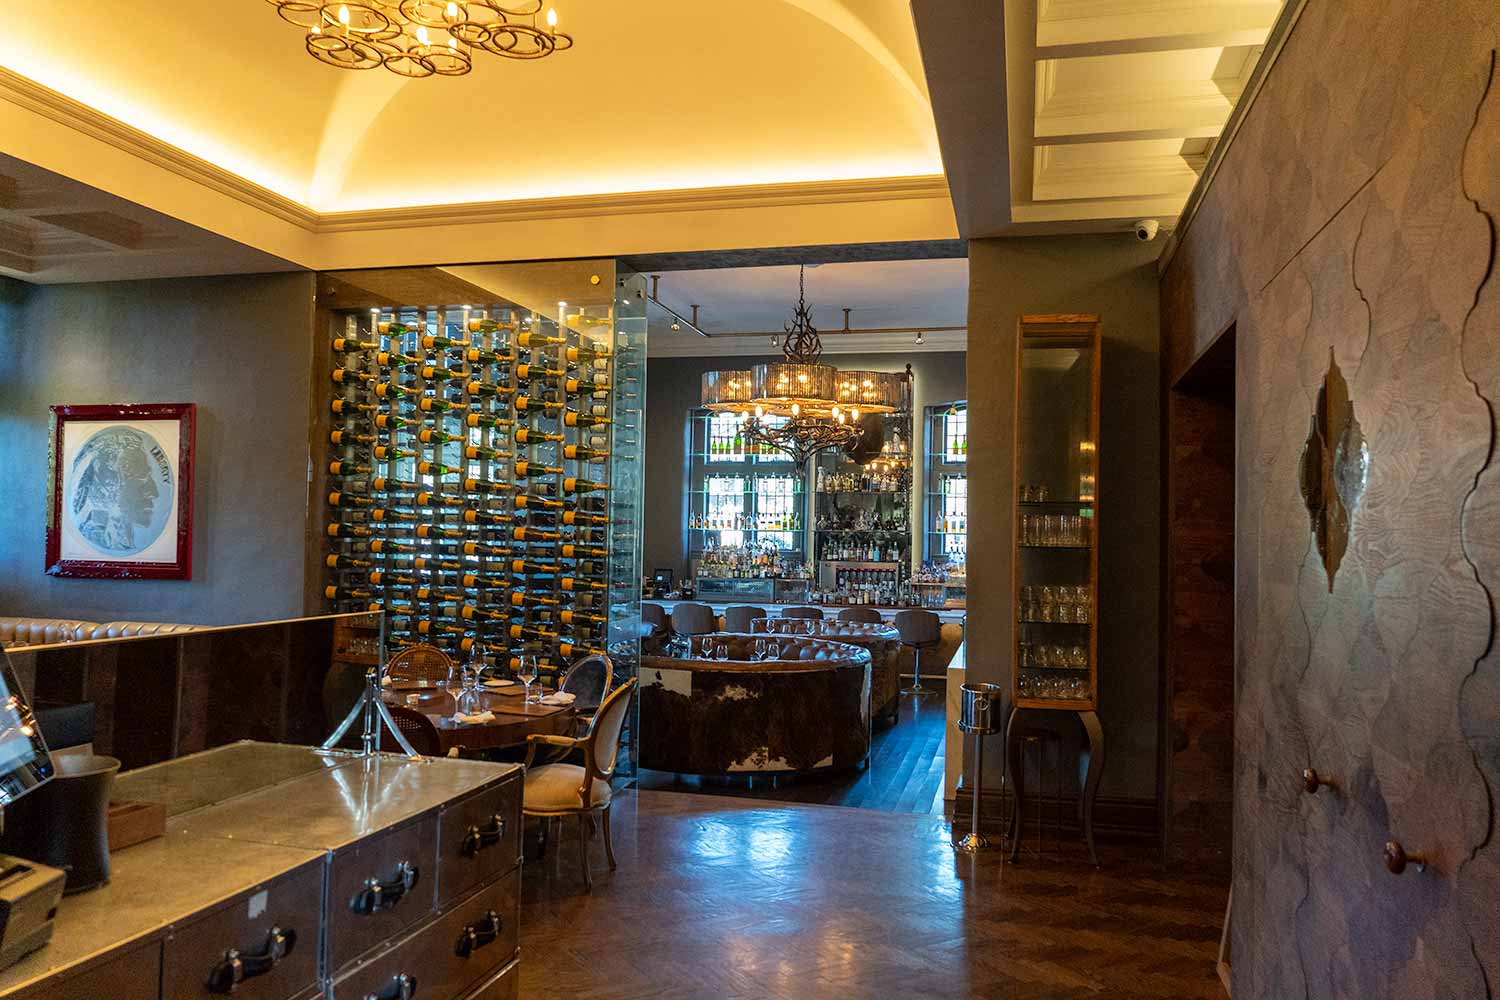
column 691, row 618
column 864, row 616
column 803, row 612
column 920, row 630
column 554, row 790
column 737, row 617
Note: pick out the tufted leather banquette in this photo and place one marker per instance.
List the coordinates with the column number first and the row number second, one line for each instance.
column 45, row 631
column 883, row 642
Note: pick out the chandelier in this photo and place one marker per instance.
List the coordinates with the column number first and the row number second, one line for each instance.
column 417, row 38
column 799, row 406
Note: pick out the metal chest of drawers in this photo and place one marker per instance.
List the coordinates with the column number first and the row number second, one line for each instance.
column 290, row 875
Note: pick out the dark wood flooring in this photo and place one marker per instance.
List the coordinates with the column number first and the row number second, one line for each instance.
column 905, row 773
column 723, row 897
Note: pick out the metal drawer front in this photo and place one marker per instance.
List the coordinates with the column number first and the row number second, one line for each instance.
column 504, row 986
column 427, row 964
column 480, row 838
column 379, row 888
column 263, row 945
column 135, row 975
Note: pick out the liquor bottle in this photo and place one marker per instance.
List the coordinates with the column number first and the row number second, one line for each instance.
column 431, row 404
column 384, row 453
column 483, row 324
column 583, row 454
column 482, row 420
column 393, row 390
column 479, row 356
column 389, row 516
column 339, row 529
column 483, row 549
column 487, row 486
column 439, row 343
column 582, row 354
column 486, row 517
column 568, row 617
column 437, row 531
column 578, row 583
column 525, row 435
column 348, row 500
column 423, row 562
column 393, row 328
column 573, row 485
column 429, row 436
column 384, row 484
column 395, row 359
column 526, row 501
column 349, row 345
column 342, row 468
column 347, row 376
column 476, row 452
column 439, row 469
column 579, row 517
column 485, row 390
column 538, row 404
column 382, row 545
column 582, row 386
column 535, row 535
column 349, row 437
column 532, row 339
column 335, row 593
column 584, row 552
column 425, row 499
column 575, row 419
column 346, row 562
column 473, row 580
column 347, row 407
column 383, row 579
column 524, row 470
column 522, row 567
column 531, row 632
column 391, row 422
column 521, row 599
column 538, row 373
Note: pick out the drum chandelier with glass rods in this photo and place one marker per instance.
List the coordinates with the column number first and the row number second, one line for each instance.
column 818, row 406
column 417, row 38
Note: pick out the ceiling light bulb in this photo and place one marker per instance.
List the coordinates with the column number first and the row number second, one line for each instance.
column 759, row 412
column 796, row 409
column 676, row 325
column 854, row 412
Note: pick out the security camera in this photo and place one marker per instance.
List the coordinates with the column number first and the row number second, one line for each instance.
column 1146, row 230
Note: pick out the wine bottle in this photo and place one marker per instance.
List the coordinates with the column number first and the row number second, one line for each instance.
column 487, row 486
column 386, row 515
column 335, row 593
column 424, row 627
column 580, row 453
column 339, row 529
column 483, row 549
column 429, row 436
column 584, row 552
column 582, row 354
column 393, row 390
column 425, row 499
column 342, row 468
column 575, row 385
column 438, row 531
column 483, row 324
column 476, row 580
column 486, row 517
column 349, row 406
column 575, row 419
column 390, row 422
column 384, row 484
column 577, row 583
column 383, row 545
column 433, row 373
column 537, row 404
column 392, row 328
column 383, row 579
column 349, row 345
column 479, row 356
column 395, row 359
column 468, row 612
column 346, row 562
column 439, row 594
column 431, row 404
column 347, row 376
column 589, row 568
column 537, row 373
column 573, row 485
column 521, row 599
column 515, row 664
column 385, row 453
column 349, row 437
column 568, row 617
column 525, row 501
column 439, row 469
column 570, row 649
column 476, row 452
column 531, row 632
column 524, row 470
column 535, row 535
column 582, row 518
column 481, row 420
column 348, row 500
column 439, row 343
column 525, row 435
column 451, row 565
column 531, row 339
column 522, row 567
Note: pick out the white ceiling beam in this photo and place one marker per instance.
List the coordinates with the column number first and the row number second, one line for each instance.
column 1071, row 28
column 1154, row 43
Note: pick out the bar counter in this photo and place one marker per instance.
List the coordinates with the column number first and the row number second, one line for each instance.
column 955, row 615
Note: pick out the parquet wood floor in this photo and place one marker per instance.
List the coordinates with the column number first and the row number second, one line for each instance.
column 723, row 897
column 905, row 773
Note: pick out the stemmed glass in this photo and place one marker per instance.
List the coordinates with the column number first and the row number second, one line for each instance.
column 454, row 685
column 528, row 673
column 760, row 649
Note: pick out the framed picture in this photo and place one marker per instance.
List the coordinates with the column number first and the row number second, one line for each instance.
column 120, row 491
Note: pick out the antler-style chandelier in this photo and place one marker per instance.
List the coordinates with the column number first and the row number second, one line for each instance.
column 820, row 405
column 417, row 38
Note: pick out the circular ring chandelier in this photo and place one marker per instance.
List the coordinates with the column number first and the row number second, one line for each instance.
column 419, row 38
column 818, row 406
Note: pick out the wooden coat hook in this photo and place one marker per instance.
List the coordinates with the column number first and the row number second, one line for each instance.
column 1396, row 858
column 1312, row 781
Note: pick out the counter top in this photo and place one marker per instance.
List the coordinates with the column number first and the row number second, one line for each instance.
column 832, row 610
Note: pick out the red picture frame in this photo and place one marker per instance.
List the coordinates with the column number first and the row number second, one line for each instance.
column 71, row 551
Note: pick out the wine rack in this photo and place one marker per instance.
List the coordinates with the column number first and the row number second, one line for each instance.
column 472, row 477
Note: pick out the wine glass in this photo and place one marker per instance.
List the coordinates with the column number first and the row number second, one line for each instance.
column 454, row 685
column 528, row 673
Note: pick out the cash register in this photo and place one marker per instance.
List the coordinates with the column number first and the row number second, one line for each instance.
column 29, row 892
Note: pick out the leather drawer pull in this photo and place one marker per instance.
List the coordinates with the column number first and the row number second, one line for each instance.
column 477, row 935
column 1396, row 858
column 237, row 967
column 478, row 839
column 401, row 987
column 378, row 895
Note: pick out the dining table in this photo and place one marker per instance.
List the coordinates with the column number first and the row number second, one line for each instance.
column 515, row 718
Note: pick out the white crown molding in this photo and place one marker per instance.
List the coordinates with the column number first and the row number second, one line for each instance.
column 66, row 111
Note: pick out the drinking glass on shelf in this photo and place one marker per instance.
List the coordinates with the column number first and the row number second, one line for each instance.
column 1039, row 493
column 527, row 674
column 721, row 652
column 454, row 685
column 1078, row 658
column 1059, row 657
column 760, row 649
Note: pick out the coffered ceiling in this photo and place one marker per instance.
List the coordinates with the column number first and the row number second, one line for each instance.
column 1081, row 115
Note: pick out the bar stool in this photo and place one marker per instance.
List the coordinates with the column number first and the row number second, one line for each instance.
column 737, row 617
column 816, row 614
column 920, row 630
column 689, row 618
column 867, row 616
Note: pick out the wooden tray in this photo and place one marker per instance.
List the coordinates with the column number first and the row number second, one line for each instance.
column 133, row 823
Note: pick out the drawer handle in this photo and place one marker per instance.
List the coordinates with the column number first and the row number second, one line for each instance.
column 477, row 935
column 378, row 895
column 402, row 987
column 478, row 839
column 238, row 967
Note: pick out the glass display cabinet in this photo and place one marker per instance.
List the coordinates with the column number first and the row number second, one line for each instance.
column 1056, row 563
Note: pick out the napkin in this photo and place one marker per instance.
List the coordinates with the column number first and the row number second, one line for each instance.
column 558, row 698
column 476, row 720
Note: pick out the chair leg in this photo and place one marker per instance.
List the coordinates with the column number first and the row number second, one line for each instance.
column 583, row 851
column 543, row 824
column 609, row 844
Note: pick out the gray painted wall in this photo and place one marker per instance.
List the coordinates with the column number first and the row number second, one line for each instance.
column 1116, row 278
column 672, row 389
column 239, row 347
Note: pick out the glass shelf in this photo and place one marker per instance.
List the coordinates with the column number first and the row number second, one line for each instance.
column 860, row 493
column 1038, row 621
column 1056, row 503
